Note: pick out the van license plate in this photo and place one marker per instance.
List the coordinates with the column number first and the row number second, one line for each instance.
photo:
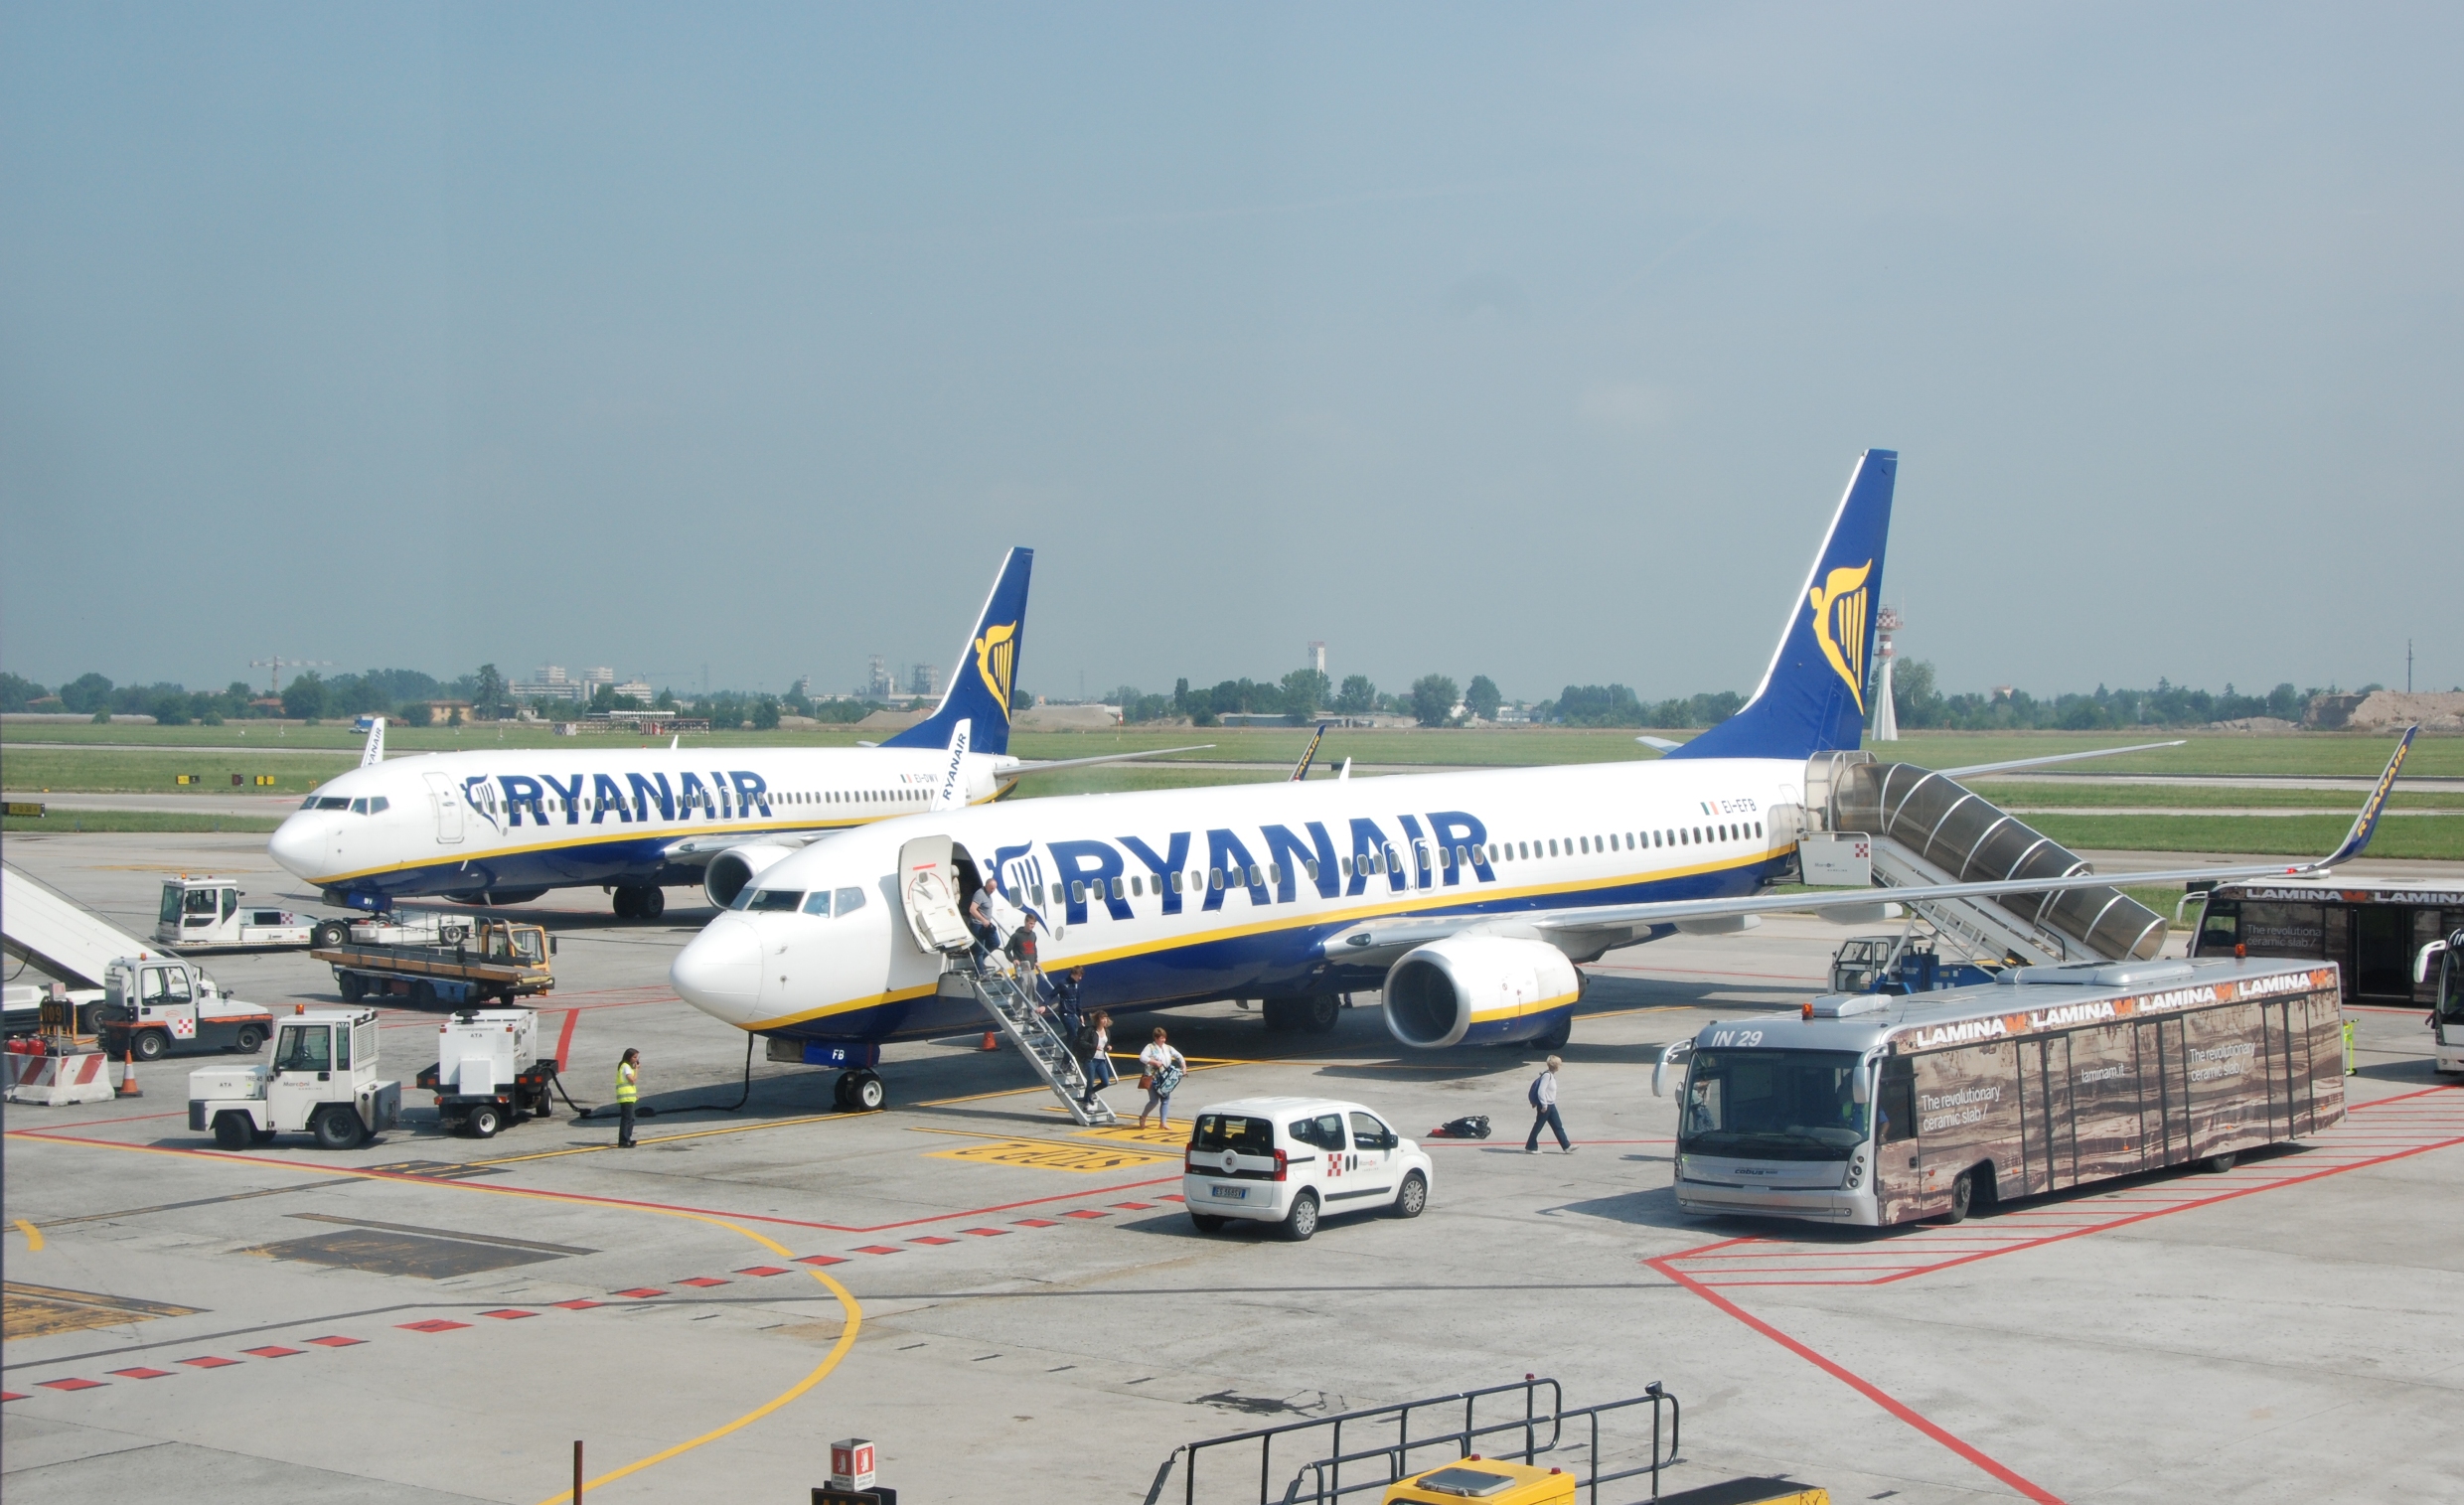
column 1230, row 1193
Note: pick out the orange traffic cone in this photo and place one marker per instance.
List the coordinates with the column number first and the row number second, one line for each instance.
column 991, row 1040
column 128, row 1075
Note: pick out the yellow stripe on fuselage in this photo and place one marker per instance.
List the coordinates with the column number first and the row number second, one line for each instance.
column 1337, row 917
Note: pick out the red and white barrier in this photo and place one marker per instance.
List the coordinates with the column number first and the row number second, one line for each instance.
column 57, row 1081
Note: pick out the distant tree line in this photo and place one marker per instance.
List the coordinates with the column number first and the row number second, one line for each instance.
column 1299, row 696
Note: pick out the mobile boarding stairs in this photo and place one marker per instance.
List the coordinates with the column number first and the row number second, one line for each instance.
column 1920, row 829
column 929, row 893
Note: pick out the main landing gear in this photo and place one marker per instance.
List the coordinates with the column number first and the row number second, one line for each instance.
column 643, row 902
column 1317, row 1015
column 862, row 1090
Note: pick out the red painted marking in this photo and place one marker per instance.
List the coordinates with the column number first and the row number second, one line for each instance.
column 641, row 1292
column 703, row 1282
column 820, row 1260
column 587, row 1200
column 564, row 1038
column 761, row 1270
column 337, row 1342
column 932, row 1239
column 1085, row 1212
column 984, row 1233
column 274, row 1351
column 1863, row 1387
column 9, row 1395
column 208, row 1362
column 578, row 1305
column 877, row 1249
column 72, row 1384
column 143, row 1374
column 432, row 1324
column 1037, row 1223
column 1173, row 1197
column 508, row 1313
column 1134, row 1206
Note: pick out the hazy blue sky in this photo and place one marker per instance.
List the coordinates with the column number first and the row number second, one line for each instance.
column 1527, row 341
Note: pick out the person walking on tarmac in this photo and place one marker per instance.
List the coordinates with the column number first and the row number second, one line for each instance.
column 1100, row 1074
column 1543, row 1096
column 628, row 1091
column 1163, row 1067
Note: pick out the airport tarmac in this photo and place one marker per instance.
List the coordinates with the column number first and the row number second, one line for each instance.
column 1015, row 1309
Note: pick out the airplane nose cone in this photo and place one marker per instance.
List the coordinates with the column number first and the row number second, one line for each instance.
column 299, row 845
column 719, row 970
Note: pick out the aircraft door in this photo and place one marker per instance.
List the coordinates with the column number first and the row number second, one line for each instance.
column 928, row 891
column 448, row 802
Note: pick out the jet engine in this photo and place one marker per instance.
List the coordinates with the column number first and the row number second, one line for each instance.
column 1481, row 990
column 733, row 869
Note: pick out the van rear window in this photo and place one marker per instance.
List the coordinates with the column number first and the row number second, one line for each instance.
column 1249, row 1137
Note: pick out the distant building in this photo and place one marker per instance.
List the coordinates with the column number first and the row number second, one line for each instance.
column 550, row 682
column 878, row 683
column 924, row 679
column 1317, row 656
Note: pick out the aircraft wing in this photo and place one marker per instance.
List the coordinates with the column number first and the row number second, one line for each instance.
column 1012, row 768
column 1374, row 939
column 710, row 846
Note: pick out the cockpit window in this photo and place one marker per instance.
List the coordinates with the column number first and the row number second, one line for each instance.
column 378, row 806
column 776, row 900
column 328, row 802
column 359, row 807
column 817, row 903
column 847, row 901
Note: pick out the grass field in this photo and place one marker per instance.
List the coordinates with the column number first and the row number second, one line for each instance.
column 2264, row 836
column 65, row 821
column 2084, row 796
column 111, row 771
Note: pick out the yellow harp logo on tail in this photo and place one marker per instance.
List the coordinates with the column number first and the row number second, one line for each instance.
column 1840, row 612
column 996, row 653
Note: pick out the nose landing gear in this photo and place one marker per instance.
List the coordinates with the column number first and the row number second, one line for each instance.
column 862, row 1090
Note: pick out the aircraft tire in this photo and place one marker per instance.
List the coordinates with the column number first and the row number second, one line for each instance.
column 654, row 902
column 1281, row 1015
column 626, row 905
column 1320, row 1013
column 867, row 1092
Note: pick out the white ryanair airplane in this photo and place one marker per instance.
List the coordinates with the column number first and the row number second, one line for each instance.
column 505, row 827
column 1468, row 898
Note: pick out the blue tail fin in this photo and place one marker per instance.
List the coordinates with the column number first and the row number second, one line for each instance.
column 1812, row 698
column 987, row 666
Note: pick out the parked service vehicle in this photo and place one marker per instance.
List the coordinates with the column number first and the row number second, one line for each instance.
column 1293, row 1160
column 489, row 1071
column 394, row 928
column 1873, row 1111
column 321, row 1080
column 206, row 914
column 2444, row 960
column 498, row 961
column 157, row 1006
column 1898, row 964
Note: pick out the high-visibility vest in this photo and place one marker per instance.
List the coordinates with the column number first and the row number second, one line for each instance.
column 625, row 1091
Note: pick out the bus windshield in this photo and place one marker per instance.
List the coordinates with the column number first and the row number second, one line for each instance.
column 1771, row 1105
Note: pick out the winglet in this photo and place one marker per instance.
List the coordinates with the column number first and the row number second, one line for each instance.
column 952, row 794
column 1812, row 697
column 987, row 670
column 1309, row 754
column 373, row 753
column 2366, row 823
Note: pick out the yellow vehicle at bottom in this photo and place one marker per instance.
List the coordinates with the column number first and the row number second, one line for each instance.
column 1494, row 1482
column 1488, row 1480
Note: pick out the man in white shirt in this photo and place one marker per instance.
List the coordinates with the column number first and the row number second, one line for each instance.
column 1543, row 1096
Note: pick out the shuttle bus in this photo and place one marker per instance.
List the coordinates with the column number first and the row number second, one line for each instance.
column 2375, row 932
column 1872, row 1110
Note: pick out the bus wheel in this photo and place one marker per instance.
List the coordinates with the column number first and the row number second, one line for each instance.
column 1962, row 1198
column 2217, row 1164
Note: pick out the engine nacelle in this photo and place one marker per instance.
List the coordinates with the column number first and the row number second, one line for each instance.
column 733, row 869
column 1479, row 990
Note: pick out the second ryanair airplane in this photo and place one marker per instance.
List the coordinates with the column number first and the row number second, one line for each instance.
column 506, row 825
column 1468, row 898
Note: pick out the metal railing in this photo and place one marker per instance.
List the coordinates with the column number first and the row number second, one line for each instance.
column 1319, row 1481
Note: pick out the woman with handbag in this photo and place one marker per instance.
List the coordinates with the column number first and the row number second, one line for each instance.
column 1162, row 1069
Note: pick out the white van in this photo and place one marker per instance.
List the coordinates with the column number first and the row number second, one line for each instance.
column 1293, row 1161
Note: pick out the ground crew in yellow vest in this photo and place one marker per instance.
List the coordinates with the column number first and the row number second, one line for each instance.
column 628, row 1090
